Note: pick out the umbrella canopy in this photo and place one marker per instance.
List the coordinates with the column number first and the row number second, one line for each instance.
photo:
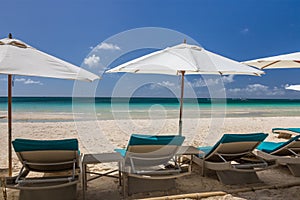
column 293, row 87
column 191, row 59
column 184, row 59
column 291, row 60
column 18, row 58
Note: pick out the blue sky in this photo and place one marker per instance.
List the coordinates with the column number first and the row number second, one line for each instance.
column 240, row 30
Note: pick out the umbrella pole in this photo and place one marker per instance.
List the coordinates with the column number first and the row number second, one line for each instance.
column 181, row 102
column 9, row 110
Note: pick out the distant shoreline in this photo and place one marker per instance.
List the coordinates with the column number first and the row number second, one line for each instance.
column 144, row 97
column 64, row 108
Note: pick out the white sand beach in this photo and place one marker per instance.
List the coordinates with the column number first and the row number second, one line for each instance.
column 90, row 135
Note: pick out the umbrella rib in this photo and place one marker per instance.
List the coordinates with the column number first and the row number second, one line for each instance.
column 272, row 63
column 139, row 59
column 212, row 61
column 181, row 57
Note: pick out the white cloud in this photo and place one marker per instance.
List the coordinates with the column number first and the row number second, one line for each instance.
column 211, row 81
column 197, row 83
column 92, row 61
column 257, row 90
column 228, row 79
column 256, row 87
column 159, row 85
column 28, row 81
column 153, row 86
column 201, row 83
column 20, row 80
column 167, row 84
column 245, row 30
column 107, row 46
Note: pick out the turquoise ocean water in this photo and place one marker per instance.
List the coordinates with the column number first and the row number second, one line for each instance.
column 144, row 108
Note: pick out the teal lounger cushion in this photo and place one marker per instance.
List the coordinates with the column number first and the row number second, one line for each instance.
column 296, row 130
column 230, row 138
column 270, row 147
column 121, row 151
column 205, row 149
column 40, row 145
column 139, row 139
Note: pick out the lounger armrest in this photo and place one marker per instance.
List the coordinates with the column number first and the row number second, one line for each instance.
column 59, row 183
column 23, row 172
column 45, row 180
column 283, row 160
column 265, row 156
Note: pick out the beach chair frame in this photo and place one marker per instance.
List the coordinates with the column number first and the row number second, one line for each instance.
column 287, row 154
column 47, row 156
column 234, row 161
column 43, row 167
column 144, row 167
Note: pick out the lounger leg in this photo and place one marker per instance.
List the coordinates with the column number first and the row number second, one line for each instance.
column 22, row 174
column 120, row 174
column 3, row 185
column 294, row 169
column 203, row 167
column 125, row 185
column 84, row 182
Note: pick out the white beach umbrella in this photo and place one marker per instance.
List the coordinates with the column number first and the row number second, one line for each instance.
column 291, row 60
column 184, row 59
column 18, row 58
column 284, row 61
column 293, row 87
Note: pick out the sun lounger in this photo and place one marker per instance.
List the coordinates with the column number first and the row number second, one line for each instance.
column 286, row 153
column 286, row 132
column 150, row 163
column 51, row 157
column 293, row 130
column 232, row 158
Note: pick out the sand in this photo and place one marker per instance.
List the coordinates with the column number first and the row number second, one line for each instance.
column 105, row 135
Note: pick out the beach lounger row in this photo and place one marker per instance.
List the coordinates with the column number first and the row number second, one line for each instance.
column 151, row 162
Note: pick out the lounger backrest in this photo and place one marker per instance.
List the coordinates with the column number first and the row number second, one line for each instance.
column 45, row 155
column 283, row 149
column 296, row 130
column 147, row 150
column 232, row 146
